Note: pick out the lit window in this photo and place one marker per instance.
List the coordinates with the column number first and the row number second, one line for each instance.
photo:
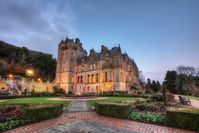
column 97, row 78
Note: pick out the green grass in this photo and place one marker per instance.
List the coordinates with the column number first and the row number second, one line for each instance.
column 33, row 100
column 114, row 99
column 192, row 97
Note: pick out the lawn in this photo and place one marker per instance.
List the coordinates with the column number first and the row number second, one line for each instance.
column 192, row 97
column 32, row 100
column 115, row 99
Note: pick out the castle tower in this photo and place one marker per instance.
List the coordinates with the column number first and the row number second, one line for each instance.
column 68, row 52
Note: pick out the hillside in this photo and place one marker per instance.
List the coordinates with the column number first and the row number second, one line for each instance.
column 17, row 60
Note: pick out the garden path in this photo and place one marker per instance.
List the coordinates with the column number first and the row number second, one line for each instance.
column 79, row 106
column 78, row 121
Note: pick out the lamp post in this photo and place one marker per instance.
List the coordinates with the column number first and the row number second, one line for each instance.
column 30, row 73
column 10, row 76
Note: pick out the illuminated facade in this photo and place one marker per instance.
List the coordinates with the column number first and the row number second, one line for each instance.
column 108, row 70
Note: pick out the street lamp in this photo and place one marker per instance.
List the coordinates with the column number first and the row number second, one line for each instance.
column 29, row 72
column 39, row 79
column 10, row 76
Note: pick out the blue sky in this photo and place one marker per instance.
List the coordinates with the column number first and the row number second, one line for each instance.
column 159, row 34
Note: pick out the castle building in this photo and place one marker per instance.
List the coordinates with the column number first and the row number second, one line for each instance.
column 108, row 70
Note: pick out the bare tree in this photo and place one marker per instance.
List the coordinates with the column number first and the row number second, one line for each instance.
column 187, row 70
column 142, row 78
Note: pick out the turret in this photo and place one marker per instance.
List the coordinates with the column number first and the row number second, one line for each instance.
column 68, row 53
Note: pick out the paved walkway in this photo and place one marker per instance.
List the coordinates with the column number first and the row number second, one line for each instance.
column 79, row 106
column 90, row 122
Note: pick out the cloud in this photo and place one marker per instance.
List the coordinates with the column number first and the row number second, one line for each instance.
column 38, row 24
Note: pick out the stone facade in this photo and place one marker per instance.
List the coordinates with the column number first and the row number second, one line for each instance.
column 109, row 70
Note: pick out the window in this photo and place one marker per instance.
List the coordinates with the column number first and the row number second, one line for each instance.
column 81, row 79
column 105, row 76
column 88, row 81
column 78, row 79
column 110, row 76
column 92, row 78
column 97, row 78
column 87, row 88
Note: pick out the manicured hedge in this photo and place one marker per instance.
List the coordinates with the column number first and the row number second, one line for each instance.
column 28, row 96
column 42, row 112
column 115, row 93
column 119, row 110
column 32, row 113
column 183, row 118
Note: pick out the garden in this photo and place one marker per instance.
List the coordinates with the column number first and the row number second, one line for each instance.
column 21, row 111
column 149, row 109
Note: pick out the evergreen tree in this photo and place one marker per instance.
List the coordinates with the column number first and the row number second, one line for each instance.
column 148, row 85
column 171, row 81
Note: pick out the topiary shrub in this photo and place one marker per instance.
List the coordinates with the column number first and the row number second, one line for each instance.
column 119, row 110
column 185, row 118
column 42, row 112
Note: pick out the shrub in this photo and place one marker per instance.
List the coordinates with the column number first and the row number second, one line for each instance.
column 145, row 107
column 42, row 112
column 11, row 123
column 157, row 97
column 186, row 118
column 38, row 94
column 115, row 93
column 120, row 110
column 89, row 94
column 58, row 90
column 149, row 106
column 147, row 117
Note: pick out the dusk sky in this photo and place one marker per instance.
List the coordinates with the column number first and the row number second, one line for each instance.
column 158, row 34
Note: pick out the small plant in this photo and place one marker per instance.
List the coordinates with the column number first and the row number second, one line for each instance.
column 147, row 117
column 11, row 123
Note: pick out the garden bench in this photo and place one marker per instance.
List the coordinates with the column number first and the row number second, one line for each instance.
column 184, row 101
